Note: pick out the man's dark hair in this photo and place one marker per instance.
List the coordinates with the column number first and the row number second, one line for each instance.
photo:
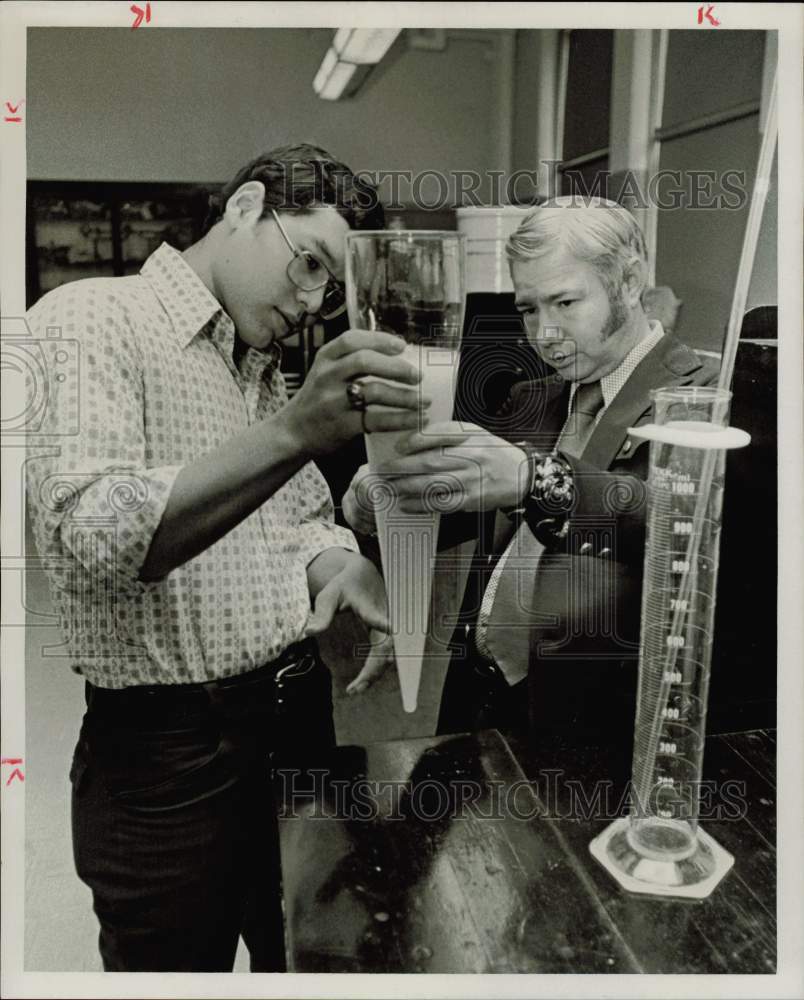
column 298, row 177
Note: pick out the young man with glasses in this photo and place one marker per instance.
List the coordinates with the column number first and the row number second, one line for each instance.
column 307, row 272
column 188, row 534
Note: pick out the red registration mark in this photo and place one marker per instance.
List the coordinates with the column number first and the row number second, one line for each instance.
column 13, row 109
column 16, row 773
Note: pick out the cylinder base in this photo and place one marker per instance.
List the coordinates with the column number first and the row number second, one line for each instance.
column 692, row 877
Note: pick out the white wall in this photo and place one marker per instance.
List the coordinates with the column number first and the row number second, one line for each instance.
column 194, row 104
column 764, row 288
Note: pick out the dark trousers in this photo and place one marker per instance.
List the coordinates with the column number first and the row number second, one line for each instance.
column 174, row 825
column 560, row 703
column 477, row 696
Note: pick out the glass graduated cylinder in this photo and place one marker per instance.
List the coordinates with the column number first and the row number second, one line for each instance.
column 660, row 849
column 678, row 608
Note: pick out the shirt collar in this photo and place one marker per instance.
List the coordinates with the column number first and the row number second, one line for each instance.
column 612, row 383
column 191, row 308
column 190, row 305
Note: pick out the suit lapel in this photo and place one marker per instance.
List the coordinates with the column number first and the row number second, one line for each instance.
column 539, row 411
column 670, row 363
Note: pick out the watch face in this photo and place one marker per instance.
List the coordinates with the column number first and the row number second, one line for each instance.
column 553, row 488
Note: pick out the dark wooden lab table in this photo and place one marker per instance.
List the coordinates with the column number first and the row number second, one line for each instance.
column 438, row 855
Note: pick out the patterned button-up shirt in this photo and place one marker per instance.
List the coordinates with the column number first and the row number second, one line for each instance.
column 141, row 381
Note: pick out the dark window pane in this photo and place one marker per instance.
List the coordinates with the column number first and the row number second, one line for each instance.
column 590, row 179
column 698, row 248
column 710, row 71
column 586, row 122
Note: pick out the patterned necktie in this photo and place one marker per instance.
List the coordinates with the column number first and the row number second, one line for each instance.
column 586, row 404
column 507, row 603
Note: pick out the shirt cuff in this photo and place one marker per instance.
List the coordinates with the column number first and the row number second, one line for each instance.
column 108, row 524
column 317, row 536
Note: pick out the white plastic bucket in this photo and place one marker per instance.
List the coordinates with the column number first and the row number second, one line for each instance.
column 487, row 229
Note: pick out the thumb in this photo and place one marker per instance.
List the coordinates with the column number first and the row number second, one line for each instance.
column 378, row 661
column 370, row 613
column 324, row 609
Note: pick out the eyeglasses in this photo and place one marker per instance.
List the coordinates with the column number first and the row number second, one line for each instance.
column 308, row 273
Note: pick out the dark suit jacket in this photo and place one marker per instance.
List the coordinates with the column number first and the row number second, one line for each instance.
column 585, row 603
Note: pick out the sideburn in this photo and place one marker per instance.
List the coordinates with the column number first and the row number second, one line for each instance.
column 618, row 315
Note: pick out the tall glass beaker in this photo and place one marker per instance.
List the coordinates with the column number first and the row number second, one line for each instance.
column 411, row 283
column 660, row 848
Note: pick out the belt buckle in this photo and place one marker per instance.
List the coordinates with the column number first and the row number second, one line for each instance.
column 484, row 667
column 293, row 670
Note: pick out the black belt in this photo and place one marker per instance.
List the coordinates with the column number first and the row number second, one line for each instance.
column 296, row 660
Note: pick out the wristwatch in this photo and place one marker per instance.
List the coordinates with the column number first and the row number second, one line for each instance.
column 551, row 494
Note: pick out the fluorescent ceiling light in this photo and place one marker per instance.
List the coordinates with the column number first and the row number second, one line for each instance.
column 328, row 64
column 352, row 49
column 365, row 46
column 331, row 87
